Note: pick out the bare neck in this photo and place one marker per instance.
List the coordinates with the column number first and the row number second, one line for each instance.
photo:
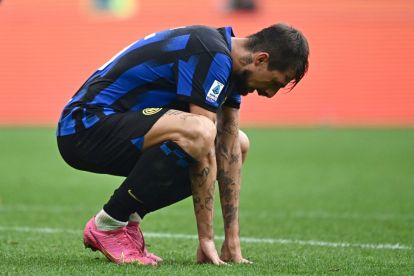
column 238, row 50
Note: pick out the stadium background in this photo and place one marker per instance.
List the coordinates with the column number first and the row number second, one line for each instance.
column 361, row 61
column 331, row 195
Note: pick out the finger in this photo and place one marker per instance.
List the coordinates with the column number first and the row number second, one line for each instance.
column 224, row 263
column 242, row 261
column 215, row 259
column 218, row 261
column 245, row 261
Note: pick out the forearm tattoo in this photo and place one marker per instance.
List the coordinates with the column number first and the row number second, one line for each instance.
column 199, row 180
column 229, row 127
column 225, row 129
column 234, row 158
column 229, row 194
column 209, row 200
column 230, row 214
column 228, row 166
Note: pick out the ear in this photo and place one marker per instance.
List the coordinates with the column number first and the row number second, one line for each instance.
column 260, row 58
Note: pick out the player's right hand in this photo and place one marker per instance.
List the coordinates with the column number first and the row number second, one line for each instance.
column 207, row 253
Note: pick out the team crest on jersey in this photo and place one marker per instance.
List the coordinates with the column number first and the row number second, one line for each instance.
column 214, row 91
column 150, row 111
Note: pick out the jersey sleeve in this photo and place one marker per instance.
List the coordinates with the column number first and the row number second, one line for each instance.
column 233, row 100
column 202, row 79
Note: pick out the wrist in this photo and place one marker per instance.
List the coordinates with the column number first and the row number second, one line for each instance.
column 232, row 242
column 232, row 232
column 232, row 248
column 205, row 238
column 205, row 231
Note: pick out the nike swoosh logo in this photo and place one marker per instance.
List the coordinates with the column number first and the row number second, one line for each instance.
column 134, row 197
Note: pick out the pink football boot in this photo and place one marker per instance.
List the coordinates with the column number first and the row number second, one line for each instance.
column 135, row 232
column 117, row 245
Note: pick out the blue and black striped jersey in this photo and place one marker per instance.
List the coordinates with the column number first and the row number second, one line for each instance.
column 167, row 69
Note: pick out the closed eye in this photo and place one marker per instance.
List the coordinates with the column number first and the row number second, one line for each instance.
column 277, row 85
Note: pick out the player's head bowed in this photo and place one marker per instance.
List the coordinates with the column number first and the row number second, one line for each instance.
column 287, row 47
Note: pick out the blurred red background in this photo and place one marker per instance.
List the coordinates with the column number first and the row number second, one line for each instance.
column 361, row 63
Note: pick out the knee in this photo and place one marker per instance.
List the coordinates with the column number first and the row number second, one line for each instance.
column 244, row 144
column 198, row 136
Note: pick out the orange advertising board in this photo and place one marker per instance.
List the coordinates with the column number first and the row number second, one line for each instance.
column 361, row 62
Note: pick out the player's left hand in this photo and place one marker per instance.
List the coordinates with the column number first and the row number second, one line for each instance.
column 231, row 252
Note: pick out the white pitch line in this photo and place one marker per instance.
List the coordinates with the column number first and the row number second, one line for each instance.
column 308, row 214
column 397, row 246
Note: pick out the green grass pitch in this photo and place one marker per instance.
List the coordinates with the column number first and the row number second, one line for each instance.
column 314, row 201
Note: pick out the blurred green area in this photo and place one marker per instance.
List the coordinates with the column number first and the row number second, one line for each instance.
column 335, row 185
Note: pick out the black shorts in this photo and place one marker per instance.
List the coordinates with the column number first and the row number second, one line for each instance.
column 113, row 145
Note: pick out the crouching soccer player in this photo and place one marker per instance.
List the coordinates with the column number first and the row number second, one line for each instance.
column 164, row 113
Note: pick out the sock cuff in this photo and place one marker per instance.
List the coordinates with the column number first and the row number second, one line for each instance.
column 106, row 222
column 135, row 217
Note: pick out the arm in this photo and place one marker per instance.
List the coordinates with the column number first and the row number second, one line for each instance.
column 203, row 177
column 229, row 162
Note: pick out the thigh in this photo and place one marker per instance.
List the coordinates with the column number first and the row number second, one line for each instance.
column 113, row 145
column 174, row 125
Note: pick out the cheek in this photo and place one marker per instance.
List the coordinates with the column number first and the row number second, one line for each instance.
column 249, row 80
column 254, row 79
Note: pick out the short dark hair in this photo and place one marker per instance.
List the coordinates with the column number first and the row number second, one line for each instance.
column 287, row 47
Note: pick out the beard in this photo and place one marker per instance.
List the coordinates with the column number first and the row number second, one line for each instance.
column 240, row 82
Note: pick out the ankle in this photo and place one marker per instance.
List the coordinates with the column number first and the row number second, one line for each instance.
column 134, row 217
column 105, row 222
